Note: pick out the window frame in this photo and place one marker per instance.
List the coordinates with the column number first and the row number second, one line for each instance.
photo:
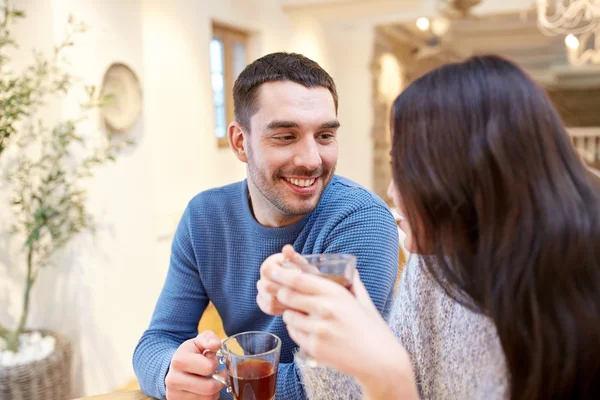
column 229, row 36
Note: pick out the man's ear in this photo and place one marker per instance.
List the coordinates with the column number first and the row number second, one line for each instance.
column 235, row 135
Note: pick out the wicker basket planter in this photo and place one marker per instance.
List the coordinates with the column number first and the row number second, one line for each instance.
column 46, row 379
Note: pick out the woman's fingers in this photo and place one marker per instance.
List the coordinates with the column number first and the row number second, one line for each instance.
column 305, row 283
column 269, row 304
column 297, row 321
column 308, row 304
column 311, row 334
column 267, row 286
column 273, row 263
column 289, row 253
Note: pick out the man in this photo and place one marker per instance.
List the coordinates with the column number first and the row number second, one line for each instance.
column 286, row 132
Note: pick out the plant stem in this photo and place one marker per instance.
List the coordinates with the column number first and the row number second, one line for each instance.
column 13, row 337
column 3, row 332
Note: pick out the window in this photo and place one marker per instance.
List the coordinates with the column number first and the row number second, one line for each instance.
column 228, row 57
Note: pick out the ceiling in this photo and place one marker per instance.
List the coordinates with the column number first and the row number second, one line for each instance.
column 332, row 11
column 513, row 35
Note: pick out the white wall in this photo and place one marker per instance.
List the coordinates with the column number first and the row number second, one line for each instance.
column 351, row 47
column 92, row 295
column 12, row 262
column 114, row 267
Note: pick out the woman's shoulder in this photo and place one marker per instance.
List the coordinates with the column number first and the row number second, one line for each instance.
column 453, row 348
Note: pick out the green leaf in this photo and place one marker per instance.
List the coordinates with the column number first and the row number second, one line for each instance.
column 33, row 237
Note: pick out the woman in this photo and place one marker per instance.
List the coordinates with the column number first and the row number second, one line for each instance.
column 503, row 299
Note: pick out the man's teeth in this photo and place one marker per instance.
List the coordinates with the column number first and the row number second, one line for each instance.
column 301, row 182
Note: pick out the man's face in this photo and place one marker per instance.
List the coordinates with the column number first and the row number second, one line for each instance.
column 292, row 147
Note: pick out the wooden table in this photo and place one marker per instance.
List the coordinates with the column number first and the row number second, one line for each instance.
column 135, row 395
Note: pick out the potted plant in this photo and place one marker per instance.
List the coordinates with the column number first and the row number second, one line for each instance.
column 44, row 169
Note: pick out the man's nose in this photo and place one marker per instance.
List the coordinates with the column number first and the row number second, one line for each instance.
column 307, row 155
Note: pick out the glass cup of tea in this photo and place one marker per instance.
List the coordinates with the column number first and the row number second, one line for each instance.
column 251, row 360
column 339, row 268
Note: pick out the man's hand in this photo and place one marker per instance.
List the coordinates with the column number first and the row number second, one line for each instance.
column 189, row 374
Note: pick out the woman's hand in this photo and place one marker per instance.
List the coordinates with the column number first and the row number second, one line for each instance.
column 345, row 331
column 338, row 328
column 267, row 289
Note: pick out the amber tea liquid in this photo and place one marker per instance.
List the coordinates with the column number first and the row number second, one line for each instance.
column 253, row 380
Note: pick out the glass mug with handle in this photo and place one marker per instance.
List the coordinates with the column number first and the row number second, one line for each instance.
column 251, row 359
column 339, row 268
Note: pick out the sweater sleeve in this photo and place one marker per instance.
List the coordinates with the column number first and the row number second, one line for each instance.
column 372, row 235
column 323, row 383
column 176, row 314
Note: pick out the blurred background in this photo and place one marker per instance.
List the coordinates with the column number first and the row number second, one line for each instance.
column 173, row 66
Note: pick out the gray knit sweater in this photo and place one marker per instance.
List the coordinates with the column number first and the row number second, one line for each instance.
column 455, row 353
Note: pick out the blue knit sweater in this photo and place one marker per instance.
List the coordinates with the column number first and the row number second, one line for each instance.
column 216, row 256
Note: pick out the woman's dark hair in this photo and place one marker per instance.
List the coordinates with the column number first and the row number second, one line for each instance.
column 493, row 188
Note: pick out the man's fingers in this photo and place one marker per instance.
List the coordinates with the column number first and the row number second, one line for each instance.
column 198, row 385
column 206, row 340
column 195, row 363
column 209, row 335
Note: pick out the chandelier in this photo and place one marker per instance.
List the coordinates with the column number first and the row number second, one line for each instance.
column 584, row 49
column 579, row 20
column 556, row 17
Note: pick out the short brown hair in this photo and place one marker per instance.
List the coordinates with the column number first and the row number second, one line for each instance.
column 272, row 68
